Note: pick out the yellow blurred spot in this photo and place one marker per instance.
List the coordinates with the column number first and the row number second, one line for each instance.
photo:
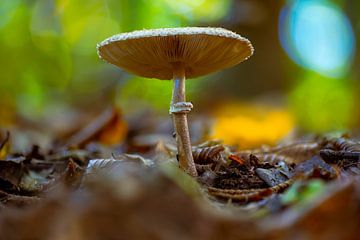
column 251, row 125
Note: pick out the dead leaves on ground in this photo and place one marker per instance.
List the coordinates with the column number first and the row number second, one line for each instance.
column 266, row 192
column 108, row 128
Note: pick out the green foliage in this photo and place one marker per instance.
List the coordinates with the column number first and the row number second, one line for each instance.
column 301, row 192
column 48, row 47
column 200, row 10
column 323, row 104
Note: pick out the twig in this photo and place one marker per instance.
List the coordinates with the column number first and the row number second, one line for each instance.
column 246, row 195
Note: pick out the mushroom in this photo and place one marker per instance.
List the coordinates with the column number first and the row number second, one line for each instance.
column 176, row 53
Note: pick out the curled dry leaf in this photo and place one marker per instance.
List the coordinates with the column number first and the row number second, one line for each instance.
column 342, row 144
column 205, row 155
column 116, row 167
column 343, row 152
column 108, row 128
column 105, row 167
column 336, row 156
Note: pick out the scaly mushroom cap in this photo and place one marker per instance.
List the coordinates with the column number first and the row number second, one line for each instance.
column 153, row 53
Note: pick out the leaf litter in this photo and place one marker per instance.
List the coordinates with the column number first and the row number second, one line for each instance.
column 93, row 185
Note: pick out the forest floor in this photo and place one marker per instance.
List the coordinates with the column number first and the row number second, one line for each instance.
column 83, row 186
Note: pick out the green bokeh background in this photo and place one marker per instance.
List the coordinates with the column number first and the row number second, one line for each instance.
column 48, row 60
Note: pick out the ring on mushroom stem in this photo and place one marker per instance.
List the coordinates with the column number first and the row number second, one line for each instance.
column 176, row 53
column 179, row 108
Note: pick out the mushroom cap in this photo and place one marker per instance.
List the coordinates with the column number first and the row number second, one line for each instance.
column 155, row 53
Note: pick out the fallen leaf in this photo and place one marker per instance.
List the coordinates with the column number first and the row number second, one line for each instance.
column 108, row 128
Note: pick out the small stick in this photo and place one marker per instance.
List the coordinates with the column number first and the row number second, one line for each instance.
column 245, row 195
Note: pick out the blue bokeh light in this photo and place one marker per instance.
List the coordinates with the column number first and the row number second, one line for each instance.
column 317, row 35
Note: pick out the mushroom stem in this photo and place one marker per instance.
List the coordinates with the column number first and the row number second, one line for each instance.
column 179, row 109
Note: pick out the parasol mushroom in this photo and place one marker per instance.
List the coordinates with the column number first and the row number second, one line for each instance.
column 176, row 53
